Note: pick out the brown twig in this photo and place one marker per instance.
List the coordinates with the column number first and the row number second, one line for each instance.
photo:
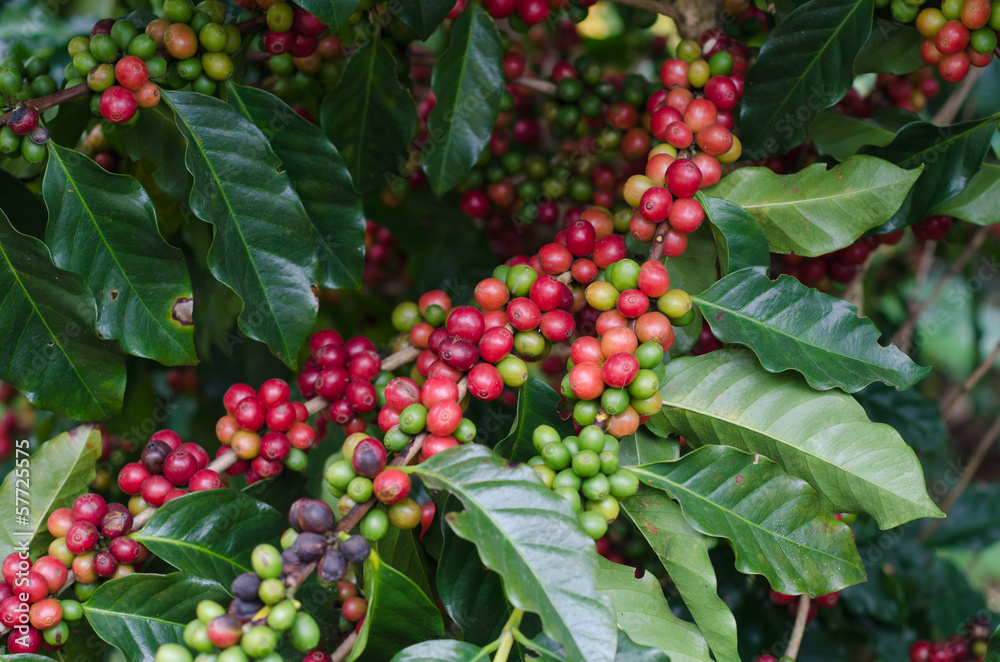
column 946, row 114
column 543, row 86
column 973, row 379
column 903, row 338
column 656, row 252
column 978, row 455
column 855, row 292
column 345, row 648
column 798, row 630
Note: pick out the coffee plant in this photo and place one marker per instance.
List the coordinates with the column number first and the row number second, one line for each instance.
column 529, row 330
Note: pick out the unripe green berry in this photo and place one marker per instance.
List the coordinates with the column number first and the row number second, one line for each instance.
column 271, row 591
column 597, row 486
column 405, row 316
column 196, row 637
column 571, row 496
column 623, row 484
column 266, row 561
column 282, row 615
column 304, row 634
column 207, row 610
column 259, row 641
column 172, row 653
column 123, row 32
column 566, row 478
column 375, row 524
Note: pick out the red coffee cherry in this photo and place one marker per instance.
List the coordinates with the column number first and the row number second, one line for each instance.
column 496, row 343
column 391, row 486
column 131, row 72
column 118, row 104
column 274, row 391
column 466, row 322
column 683, row 178
column 236, row 393
column 580, row 238
column 485, row 382
column 655, row 204
column 619, row 370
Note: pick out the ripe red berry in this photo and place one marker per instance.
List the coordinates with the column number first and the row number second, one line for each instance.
column 235, row 394
column 496, row 343
column 89, row 508
column 654, row 282
column 619, row 370
column 485, row 382
column 557, row 325
column 401, row 392
column 580, row 238
column 82, row 537
column 524, row 314
column 443, row 418
column 500, row 8
column 250, row 414
column 609, row 249
column 358, row 345
column 369, row 457
column 131, row 477
column 685, row 216
column 475, row 203
column 116, row 523
column 154, row 490
column 118, row 104
column 131, row 72
column 683, row 178
column 323, row 338
column 952, row 38
column 674, row 72
column 391, row 486
column 54, row 572
column 586, row 381
column 721, row 90
column 632, row 303
column 280, row 417
column 274, row 391
column 332, row 382
column 533, row 11
column 466, row 322
column 438, row 388
column 305, row 23
column 546, row 292
column 361, row 395
column 23, row 120
column 364, row 365
column 655, row 204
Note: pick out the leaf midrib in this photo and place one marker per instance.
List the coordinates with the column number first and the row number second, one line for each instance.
column 114, row 256
column 52, row 335
column 170, row 542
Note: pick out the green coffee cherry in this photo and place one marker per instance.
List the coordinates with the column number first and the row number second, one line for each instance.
column 142, row 46
column 196, row 637
column 567, row 479
column 571, row 496
column 586, row 463
column 266, row 561
column 259, row 641
column 513, row 371
column 593, row 524
column 556, row 456
column 543, row 435
column 339, row 474
column 103, row 48
column 465, row 432
column 32, row 152
column 360, row 489
column 546, row 474
column 172, row 653
column 123, row 32
column 407, row 314
column 608, row 508
column 296, row 460
column 282, row 615
column 375, row 524
column 596, row 487
column 234, row 654
column 10, row 143
column 623, row 484
column 72, row 610
column 304, row 634
column 206, row 610
column 585, row 411
column 78, row 45
column 10, row 82
column 57, row 634
column 271, row 591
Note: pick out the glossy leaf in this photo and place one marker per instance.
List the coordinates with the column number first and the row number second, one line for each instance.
column 370, row 117
column 536, row 405
column 444, row 650
column 805, row 65
column 740, row 241
column 892, row 48
column 402, row 550
column 979, row 200
column 645, row 447
column 139, row 613
column 321, row 180
column 792, row 327
column 530, row 537
column 52, row 354
column 425, row 15
column 684, row 554
column 916, row 418
column 824, row 438
column 335, row 13
column 399, row 614
column 629, row 651
column 54, row 476
column 993, row 648
column 842, row 136
column 694, row 271
column 262, row 248
column 645, row 616
column 24, row 208
column 103, row 227
column 817, row 211
column 973, row 521
column 468, row 83
column 950, row 156
column 155, row 136
column 774, row 521
column 211, row 534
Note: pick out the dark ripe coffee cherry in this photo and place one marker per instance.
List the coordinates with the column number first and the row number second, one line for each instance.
column 89, row 508
column 102, row 26
column 358, row 345
column 355, row 549
column 365, row 366
column 235, row 394
column 118, row 105
column 116, row 523
column 933, row 228
column 246, row 586
column 153, row 456
column 341, row 412
column 546, row 292
column 274, row 391
column 458, row 353
column 309, row 546
column 312, row 515
column 105, row 564
column 331, row 384
column 27, row 641
column 125, row 550
column 274, row 446
column 307, row 24
column 369, row 458
column 23, row 120
column 332, row 567
column 466, row 322
column 331, row 355
column 280, row 417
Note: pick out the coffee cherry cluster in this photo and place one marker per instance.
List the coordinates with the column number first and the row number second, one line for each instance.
column 957, row 35
column 343, row 374
column 968, row 645
column 24, row 135
column 16, row 419
column 292, row 30
column 168, row 468
column 92, row 539
column 910, row 92
column 522, row 14
column 265, row 429
column 28, row 606
column 791, row 602
column 584, row 471
column 383, row 260
column 117, row 63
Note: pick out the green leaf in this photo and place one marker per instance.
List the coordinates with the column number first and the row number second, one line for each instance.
column 335, row 13
column 262, row 248
column 399, row 614
column 25, row 209
column 103, row 227
column 973, row 521
column 371, row 118
column 468, row 83
column 645, row 447
column 530, row 537
column 443, row 650
column 916, row 418
column 805, row 65
column 824, row 438
column 425, row 15
column 892, row 48
column 645, row 616
column 993, row 649
column 629, row 651
column 321, row 180
column 817, row 211
column 774, row 521
column 694, row 271
column 138, row 613
column 842, row 136
column 402, row 550
column 53, row 477
column 950, row 156
column 979, row 200
column 792, row 327
column 536, row 405
column 739, row 239
column 472, row 594
column 156, row 137
column 684, row 554
column 52, row 355
column 211, row 534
